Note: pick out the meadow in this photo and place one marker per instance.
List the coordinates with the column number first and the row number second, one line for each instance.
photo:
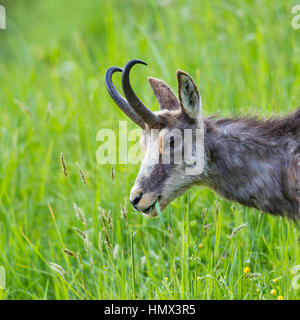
column 75, row 236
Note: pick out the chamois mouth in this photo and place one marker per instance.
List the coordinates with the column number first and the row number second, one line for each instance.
column 151, row 211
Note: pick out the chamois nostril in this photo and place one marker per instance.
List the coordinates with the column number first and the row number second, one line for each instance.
column 136, row 200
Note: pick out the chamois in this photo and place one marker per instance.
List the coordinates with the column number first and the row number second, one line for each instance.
column 245, row 159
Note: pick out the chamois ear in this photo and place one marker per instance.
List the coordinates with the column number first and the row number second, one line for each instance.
column 164, row 94
column 189, row 97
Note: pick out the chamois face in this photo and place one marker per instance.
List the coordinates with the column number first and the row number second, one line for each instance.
column 170, row 138
column 163, row 172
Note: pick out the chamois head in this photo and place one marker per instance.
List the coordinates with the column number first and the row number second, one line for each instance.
column 163, row 172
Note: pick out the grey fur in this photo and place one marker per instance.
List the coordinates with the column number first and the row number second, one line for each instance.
column 247, row 160
column 254, row 162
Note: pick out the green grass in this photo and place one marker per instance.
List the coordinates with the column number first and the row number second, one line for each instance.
column 245, row 58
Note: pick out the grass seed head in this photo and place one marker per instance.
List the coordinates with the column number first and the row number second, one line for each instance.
column 68, row 252
column 236, row 230
column 105, row 216
column 112, row 173
column 81, row 173
column 63, row 163
column 124, row 212
column 57, row 268
column 81, row 233
column 80, row 215
column 86, row 243
column 106, row 237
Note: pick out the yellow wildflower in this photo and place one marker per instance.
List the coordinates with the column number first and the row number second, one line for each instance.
column 273, row 292
column 246, row 270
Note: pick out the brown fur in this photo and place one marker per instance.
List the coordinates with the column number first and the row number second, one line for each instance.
column 164, row 94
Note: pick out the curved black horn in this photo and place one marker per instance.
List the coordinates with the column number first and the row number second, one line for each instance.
column 147, row 115
column 118, row 99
